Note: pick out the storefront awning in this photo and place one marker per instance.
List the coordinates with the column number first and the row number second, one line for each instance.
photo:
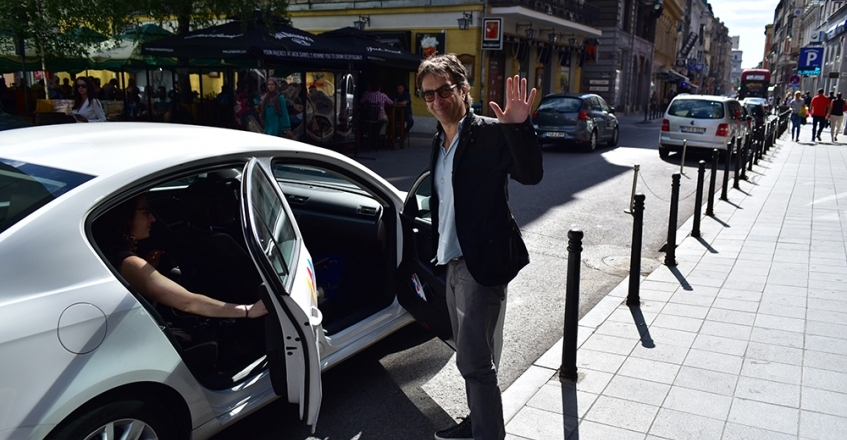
column 517, row 14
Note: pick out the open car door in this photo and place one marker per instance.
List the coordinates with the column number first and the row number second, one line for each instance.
column 423, row 284
column 275, row 243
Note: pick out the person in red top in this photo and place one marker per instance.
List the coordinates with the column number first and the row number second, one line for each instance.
column 819, row 109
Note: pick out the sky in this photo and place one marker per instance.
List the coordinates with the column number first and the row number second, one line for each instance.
column 747, row 19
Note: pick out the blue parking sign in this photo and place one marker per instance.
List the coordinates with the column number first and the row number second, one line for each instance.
column 810, row 57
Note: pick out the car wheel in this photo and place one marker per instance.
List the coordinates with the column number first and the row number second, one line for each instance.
column 135, row 419
column 592, row 142
column 664, row 152
column 613, row 142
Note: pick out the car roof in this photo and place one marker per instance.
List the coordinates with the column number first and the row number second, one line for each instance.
column 705, row 97
column 571, row 95
column 103, row 149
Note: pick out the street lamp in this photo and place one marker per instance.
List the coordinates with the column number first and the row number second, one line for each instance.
column 465, row 21
column 530, row 32
column 362, row 21
column 551, row 35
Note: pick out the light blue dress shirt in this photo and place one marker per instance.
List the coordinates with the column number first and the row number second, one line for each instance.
column 448, row 240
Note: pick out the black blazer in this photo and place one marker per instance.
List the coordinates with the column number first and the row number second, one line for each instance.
column 487, row 154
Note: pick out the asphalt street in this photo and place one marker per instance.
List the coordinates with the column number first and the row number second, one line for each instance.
column 406, row 386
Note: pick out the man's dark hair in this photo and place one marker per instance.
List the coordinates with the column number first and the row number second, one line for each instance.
column 820, row 91
column 447, row 66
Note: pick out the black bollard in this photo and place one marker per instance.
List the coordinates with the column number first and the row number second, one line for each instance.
column 670, row 249
column 737, row 166
column 698, row 198
column 746, row 151
column 633, row 296
column 568, row 368
column 754, row 151
column 710, row 205
column 727, row 158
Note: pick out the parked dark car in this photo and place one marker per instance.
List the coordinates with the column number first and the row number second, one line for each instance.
column 584, row 120
column 757, row 110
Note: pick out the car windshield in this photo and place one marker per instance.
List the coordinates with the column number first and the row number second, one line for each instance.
column 756, row 109
column 25, row 187
column 560, row 105
column 697, row 109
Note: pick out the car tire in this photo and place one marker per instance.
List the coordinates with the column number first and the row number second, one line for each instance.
column 664, row 152
column 592, row 142
column 149, row 420
column 613, row 142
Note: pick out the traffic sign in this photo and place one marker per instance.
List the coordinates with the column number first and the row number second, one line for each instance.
column 794, row 79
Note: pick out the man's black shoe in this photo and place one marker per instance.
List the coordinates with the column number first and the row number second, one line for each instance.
column 462, row 431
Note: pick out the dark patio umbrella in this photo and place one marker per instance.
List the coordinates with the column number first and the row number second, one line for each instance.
column 276, row 44
column 374, row 51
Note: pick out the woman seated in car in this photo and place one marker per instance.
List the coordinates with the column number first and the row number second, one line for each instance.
column 131, row 221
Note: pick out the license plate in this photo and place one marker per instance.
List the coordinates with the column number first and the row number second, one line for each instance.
column 699, row 130
column 555, row 134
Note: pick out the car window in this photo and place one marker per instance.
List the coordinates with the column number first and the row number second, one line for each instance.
column 602, row 104
column 25, row 187
column 697, row 109
column 272, row 226
column 560, row 105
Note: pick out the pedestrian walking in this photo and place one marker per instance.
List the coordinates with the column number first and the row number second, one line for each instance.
column 819, row 109
column 475, row 234
column 836, row 116
column 797, row 118
column 274, row 111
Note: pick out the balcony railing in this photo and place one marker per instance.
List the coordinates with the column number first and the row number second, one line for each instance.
column 573, row 10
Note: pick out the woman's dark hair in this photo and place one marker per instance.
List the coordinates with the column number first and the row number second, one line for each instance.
column 446, row 66
column 89, row 86
column 113, row 230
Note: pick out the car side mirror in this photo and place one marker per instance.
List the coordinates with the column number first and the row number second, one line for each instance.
column 611, row 110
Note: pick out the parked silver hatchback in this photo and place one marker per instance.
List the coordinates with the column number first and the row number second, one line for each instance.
column 704, row 121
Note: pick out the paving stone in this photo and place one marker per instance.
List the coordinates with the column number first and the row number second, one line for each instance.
column 778, row 372
column 824, row 361
column 661, row 352
column 718, row 344
column 826, row 344
column 826, row 329
column 736, row 304
column 780, row 323
column 638, row 390
column 591, row 430
column 726, row 330
column 768, row 391
column 824, row 401
column 777, row 337
column 830, row 316
column 622, row 413
column 731, row 316
column 678, row 323
column 817, row 426
column 597, row 360
column 713, row 361
column 706, row 380
column 683, row 426
column 715, row 406
column 610, row 344
column 592, row 381
column 764, row 415
column 536, row 424
column 646, row 369
column 734, row 431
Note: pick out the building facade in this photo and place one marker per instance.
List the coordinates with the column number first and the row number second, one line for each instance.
column 550, row 42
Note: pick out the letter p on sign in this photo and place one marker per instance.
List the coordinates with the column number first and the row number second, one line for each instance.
column 811, row 57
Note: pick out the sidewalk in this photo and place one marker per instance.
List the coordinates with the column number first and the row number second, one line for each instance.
column 745, row 339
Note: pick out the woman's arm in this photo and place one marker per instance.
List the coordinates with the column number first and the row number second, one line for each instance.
column 97, row 114
column 155, row 286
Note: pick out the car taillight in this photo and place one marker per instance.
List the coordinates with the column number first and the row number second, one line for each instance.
column 723, row 130
column 666, row 125
column 535, row 114
column 582, row 116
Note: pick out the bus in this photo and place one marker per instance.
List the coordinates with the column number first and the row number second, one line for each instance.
column 754, row 83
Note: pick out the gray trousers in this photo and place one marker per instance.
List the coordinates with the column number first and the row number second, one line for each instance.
column 477, row 313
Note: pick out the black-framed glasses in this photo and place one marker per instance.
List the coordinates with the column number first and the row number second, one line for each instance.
column 444, row 91
column 82, row 86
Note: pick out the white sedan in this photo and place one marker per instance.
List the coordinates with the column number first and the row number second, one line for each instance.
column 339, row 257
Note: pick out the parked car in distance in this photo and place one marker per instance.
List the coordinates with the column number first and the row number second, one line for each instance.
column 331, row 249
column 764, row 102
column 702, row 122
column 756, row 109
column 584, row 120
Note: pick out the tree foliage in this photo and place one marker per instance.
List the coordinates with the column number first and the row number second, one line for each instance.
column 68, row 28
